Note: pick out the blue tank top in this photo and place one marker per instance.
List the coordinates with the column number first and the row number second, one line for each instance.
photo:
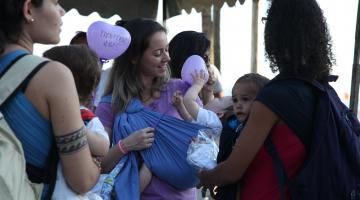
column 31, row 128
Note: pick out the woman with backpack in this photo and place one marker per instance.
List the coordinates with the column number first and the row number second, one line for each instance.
column 297, row 44
column 44, row 112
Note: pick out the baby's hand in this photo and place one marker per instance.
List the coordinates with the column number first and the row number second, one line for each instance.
column 177, row 99
column 198, row 78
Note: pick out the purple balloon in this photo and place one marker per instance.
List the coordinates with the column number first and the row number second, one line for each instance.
column 108, row 41
column 191, row 64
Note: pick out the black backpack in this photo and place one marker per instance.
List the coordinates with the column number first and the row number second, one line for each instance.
column 332, row 167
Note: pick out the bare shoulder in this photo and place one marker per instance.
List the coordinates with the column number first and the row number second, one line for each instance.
column 261, row 113
column 52, row 77
column 54, row 69
column 260, row 121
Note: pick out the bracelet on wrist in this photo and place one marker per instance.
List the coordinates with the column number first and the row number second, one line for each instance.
column 121, row 147
column 97, row 162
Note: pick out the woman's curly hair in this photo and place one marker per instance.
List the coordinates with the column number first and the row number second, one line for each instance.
column 297, row 40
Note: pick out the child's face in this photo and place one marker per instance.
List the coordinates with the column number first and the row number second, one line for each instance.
column 243, row 95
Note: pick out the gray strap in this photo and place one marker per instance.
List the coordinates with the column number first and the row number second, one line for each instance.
column 16, row 74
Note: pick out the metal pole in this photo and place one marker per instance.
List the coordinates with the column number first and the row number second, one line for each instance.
column 254, row 35
column 354, row 95
column 164, row 5
column 217, row 49
column 208, row 29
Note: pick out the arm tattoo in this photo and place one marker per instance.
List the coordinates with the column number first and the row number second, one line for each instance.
column 72, row 142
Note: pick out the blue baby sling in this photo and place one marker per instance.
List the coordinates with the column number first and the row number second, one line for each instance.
column 166, row 158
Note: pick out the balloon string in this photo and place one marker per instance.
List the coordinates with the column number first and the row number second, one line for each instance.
column 102, row 61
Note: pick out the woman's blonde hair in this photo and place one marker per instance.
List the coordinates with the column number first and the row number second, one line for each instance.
column 125, row 80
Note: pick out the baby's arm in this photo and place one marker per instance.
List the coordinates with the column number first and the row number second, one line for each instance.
column 192, row 93
column 98, row 145
column 177, row 101
column 98, row 138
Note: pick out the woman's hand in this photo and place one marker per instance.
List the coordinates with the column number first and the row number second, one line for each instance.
column 205, row 179
column 139, row 140
column 204, row 189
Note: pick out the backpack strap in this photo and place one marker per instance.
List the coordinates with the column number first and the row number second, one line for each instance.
column 16, row 75
column 278, row 165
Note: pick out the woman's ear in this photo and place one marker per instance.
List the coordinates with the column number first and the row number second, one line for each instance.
column 27, row 11
column 135, row 60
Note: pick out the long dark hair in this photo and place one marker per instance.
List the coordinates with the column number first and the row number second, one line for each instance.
column 183, row 45
column 125, row 80
column 12, row 20
column 297, row 40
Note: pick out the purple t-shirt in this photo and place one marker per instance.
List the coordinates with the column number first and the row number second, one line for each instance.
column 157, row 189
